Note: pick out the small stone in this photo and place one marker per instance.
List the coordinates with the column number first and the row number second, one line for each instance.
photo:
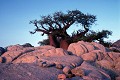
column 67, row 70
column 73, row 64
column 44, row 64
column 50, row 64
column 1, row 59
column 29, row 73
column 40, row 64
column 59, row 66
column 61, row 77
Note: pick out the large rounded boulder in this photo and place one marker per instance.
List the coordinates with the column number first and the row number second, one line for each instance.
column 80, row 48
column 14, row 47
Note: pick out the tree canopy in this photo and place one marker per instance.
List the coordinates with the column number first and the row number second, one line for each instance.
column 56, row 25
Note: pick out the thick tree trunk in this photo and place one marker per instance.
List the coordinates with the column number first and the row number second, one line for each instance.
column 51, row 40
column 64, row 44
column 58, row 44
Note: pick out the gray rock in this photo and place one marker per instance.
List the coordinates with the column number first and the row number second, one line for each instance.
column 76, row 78
column 114, row 49
column 94, row 73
column 2, row 50
column 27, row 45
column 116, row 44
column 27, row 72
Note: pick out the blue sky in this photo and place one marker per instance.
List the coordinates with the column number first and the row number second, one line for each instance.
column 16, row 14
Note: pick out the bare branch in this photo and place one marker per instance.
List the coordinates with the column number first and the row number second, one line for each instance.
column 43, row 27
column 44, row 31
column 58, row 25
column 51, row 26
column 31, row 32
column 67, row 25
column 80, row 34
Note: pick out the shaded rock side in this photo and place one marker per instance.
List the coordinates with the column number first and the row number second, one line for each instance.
column 24, row 71
column 2, row 50
column 93, row 72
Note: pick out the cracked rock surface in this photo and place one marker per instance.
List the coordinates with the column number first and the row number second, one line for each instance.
column 82, row 61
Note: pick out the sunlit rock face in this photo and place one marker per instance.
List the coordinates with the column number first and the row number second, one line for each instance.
column 82, row 47
column 82, row 61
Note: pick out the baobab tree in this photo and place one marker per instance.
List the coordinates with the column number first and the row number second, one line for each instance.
column 57, row 24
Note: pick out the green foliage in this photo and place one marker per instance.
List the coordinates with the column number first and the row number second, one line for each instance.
column 89, row 37
column 62, row 21
column 56, row 25
column 99, row 36
column 44, row 42
column 95, row 36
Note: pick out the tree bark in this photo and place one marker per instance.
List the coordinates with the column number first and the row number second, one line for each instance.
column 51, row 40
column 64, row 44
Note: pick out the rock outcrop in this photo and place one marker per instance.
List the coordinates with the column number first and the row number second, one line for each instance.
column 82, row 47
column 82, row 61
column 27, row 45
column 2, row 50
column 116, row 44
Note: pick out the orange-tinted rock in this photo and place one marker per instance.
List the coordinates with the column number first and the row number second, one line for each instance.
column 61, row 77
column 100, row 55
column 49, row 61
column 15, row 47
column 47, row 47
column 26, row 59
column 66, row 69
column 113, row 55
column 59, row 66
column 1, row 59
column 91, row 56
column 80, row 48
column 89, row 47
column 78, row 71
column 13, row 54
column 76, row 49
column 55, row 52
